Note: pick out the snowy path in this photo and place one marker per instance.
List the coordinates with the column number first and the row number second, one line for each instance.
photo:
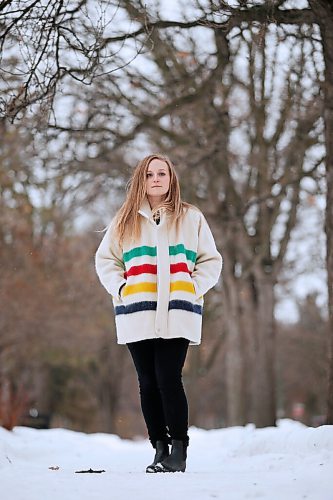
column 291, row 462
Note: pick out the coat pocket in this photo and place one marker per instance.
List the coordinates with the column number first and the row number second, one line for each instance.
column 197, row 299
column 121, row 291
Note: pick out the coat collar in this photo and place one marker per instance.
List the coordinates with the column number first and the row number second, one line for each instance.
column 146, row 212
column 145, row 209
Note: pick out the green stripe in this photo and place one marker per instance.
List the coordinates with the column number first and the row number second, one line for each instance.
column 138, row 252
column 175, row 249
column 152, row 251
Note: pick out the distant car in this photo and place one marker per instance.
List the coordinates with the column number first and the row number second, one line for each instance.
column 33, row 418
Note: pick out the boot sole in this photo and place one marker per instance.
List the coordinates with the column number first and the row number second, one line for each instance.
column 152, row 469
column 162, row 468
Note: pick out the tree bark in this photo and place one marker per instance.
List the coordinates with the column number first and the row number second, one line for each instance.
column 235, row 373
column 323, row 10
column 263, row 396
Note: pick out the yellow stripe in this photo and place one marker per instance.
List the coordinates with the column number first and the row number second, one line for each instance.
column 182, row 286
column 145, row 286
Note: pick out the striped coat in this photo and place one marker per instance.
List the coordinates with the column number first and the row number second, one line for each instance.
column 165, row 275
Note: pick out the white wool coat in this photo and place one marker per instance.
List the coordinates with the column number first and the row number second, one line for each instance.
column 165, row 275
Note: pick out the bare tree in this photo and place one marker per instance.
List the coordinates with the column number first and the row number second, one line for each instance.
column 188, row 105
column 165, row 109
column 194, row 121
column 45, row 44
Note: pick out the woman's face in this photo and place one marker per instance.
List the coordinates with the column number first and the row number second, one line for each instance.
column 157, row 179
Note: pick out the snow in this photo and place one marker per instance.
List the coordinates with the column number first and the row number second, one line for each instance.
column 289, row 462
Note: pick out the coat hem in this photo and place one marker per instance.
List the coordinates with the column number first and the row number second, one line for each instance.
column 122, row 341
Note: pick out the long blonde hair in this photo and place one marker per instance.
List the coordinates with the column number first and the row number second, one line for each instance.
column 128, row 220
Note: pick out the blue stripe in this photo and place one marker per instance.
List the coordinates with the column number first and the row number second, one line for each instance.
column 146, row 305
column 185, row 306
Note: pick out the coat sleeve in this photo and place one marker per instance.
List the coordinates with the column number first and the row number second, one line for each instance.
column 109, row 263
column 209, row 261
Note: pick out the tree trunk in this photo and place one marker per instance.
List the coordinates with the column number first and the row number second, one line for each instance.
column 235, row 389
column 329, row 235
column 250, row 347
column 250, row 363
column 323, row 10
column 263, row 388
column 235, row 373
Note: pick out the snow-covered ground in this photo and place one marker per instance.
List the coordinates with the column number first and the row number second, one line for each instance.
column 289, row 462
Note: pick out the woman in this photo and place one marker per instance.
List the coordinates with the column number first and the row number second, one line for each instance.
column 157, row 260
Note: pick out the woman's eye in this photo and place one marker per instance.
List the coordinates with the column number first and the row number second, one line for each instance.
column 162, row 174
column 149, row 174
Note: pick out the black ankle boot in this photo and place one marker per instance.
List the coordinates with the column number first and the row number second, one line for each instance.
column 162, row 452
column 176, row 461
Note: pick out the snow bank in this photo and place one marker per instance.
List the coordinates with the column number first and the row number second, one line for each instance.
column 289, row 462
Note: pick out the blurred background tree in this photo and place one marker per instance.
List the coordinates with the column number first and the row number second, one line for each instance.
column 235, row 96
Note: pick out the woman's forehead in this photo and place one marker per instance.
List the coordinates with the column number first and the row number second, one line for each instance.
column 158, row 164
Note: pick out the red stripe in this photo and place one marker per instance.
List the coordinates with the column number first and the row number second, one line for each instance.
column 136, row 270
column 181, row 267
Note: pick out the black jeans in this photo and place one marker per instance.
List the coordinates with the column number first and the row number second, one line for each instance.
column 159, row 364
